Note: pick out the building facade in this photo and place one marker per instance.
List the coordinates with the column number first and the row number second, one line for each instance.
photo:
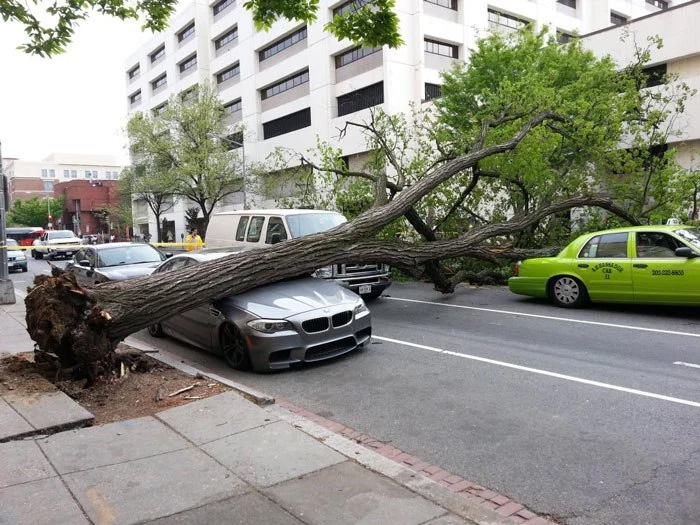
column 29, row 179
column 294, row 83
column 82, row 199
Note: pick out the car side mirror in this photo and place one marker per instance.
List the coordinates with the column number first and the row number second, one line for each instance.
column 275, row 238
column 686, row 252
column 168, row 255
column 84, row 263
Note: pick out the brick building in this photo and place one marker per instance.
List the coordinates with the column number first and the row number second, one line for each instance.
column 82, row 199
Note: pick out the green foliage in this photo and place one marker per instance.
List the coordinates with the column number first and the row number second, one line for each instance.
column 35, row 212
column 48, row 38
column 369, row 23
column 179, row 152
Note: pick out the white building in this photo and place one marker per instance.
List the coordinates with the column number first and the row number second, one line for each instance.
column 27, row 179
column 294, row 83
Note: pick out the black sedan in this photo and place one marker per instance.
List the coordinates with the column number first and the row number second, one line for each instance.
column 115, row 261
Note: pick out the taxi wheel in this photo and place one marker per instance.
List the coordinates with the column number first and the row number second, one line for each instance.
column 234, row 347
column 567, row 292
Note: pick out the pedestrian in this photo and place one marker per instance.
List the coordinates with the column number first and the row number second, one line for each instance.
column 169, row 236
column 194, row 241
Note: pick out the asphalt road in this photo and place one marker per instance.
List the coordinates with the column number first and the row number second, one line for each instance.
column 582, row 415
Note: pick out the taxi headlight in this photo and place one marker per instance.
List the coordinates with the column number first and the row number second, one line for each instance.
column 325, row 273
column 270, row 326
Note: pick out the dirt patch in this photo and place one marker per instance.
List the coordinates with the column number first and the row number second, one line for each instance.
column 146, row 386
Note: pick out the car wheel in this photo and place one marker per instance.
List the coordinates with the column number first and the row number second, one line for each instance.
column 24, row 269
column 33, row 254
column 567, row 292
column 155, row 330
column 234, row 347
column 39, row 255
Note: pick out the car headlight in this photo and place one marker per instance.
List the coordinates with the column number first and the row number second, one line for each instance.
column 270, row 326
column 325, row 273
column 360, row 308
column 21, row 257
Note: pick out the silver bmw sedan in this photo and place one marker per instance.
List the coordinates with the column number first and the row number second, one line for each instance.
column 272, row 326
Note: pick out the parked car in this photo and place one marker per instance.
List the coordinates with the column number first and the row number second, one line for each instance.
column 643, row 264
column 55, row 243
column 16, row 259
column 260, row 228
column 274, row 326
column 116, row 261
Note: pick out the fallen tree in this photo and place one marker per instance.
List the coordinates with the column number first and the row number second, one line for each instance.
column 83, row 326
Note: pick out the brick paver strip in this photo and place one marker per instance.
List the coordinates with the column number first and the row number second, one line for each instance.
column 472, row 492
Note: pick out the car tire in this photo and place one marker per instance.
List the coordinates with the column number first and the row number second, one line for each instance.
column 39, row 255
column 24, row 269
column 33, row 254
column 234, row 347
column 567, row 292
column 155, row 330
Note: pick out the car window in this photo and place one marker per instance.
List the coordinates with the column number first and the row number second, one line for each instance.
column 255, row 229
column 79, row 256
column 90, row 256
column 692, row 235
column 242, row 224
column 11, row 242
column 609, row 245
column 275, row 225
column 132, row 254
column 174, row 265
column 656, row 244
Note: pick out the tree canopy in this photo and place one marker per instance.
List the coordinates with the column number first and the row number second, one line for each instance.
column 50, row 26
column 35, row 211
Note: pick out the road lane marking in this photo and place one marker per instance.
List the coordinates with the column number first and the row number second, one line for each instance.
column 691, row 365
column 550, row 317
column 542, row 372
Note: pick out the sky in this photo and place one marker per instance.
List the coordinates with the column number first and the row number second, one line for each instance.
column 72, row 103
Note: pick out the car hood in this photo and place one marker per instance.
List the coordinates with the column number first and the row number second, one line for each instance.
column 132, row 271
column 14, row 253
column 286, row 298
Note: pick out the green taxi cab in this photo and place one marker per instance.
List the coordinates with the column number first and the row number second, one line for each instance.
column 641, row 264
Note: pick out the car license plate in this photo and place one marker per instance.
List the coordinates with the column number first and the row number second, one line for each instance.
column 365, row 288
column 69, row 253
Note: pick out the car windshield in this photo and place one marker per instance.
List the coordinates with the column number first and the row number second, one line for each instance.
column 11, row 242
column 310, row 223
column 121, row 255
column 61, row 235
column 692, row 235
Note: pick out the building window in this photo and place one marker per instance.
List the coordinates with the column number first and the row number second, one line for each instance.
column 354, row 55
column 135, row 98
column 432, row 91
column 292, row 122
column 73, row 174
column 226, row 38
column 44, row 173
column 661, row 4
column 188, row 31
column 233, row 106
column 655, row 75
column 361, row 99
column 52, row 173
column 158, row 53
column 189, row 95
column 440, row 48
column 188, row 63
column 159, row 109
column 160, row 81
column 134, row 71
column 450, row 4
column 285, row 85
column 563, row 37
column 66, row 174
column 349, row 7
column 227, row 73
column 220, row 6
column 616, row 19
column 502, row 19
column 568, row 3
column 284, row 43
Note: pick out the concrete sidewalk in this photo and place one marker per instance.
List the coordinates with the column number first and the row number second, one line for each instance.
column 221, row 459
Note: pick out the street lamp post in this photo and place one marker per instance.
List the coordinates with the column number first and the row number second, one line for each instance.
column 7, row 289
column 241, row 145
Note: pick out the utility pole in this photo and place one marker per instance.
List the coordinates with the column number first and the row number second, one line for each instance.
column 7, row 289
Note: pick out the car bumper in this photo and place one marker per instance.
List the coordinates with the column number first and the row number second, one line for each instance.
column 17, row 265
column 281, row 350
column 532, row 286
column 378, row 283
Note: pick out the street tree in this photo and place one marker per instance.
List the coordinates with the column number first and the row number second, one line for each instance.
column 35, row 211
column 50, row 26
column 182, row 153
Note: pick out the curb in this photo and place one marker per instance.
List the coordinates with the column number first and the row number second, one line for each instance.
column 250, row 394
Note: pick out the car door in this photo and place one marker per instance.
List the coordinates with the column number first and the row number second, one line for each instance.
column 83, row 274
column 659, row 275
column 195, row 324
column 604, row 265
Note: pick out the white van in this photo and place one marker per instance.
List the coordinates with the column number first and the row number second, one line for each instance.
column 259, row 228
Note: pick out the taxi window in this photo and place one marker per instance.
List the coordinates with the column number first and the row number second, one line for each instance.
column 275, row 225
column 609, row 245
column 242, row 224
column 656, row 244
column 255, row 229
